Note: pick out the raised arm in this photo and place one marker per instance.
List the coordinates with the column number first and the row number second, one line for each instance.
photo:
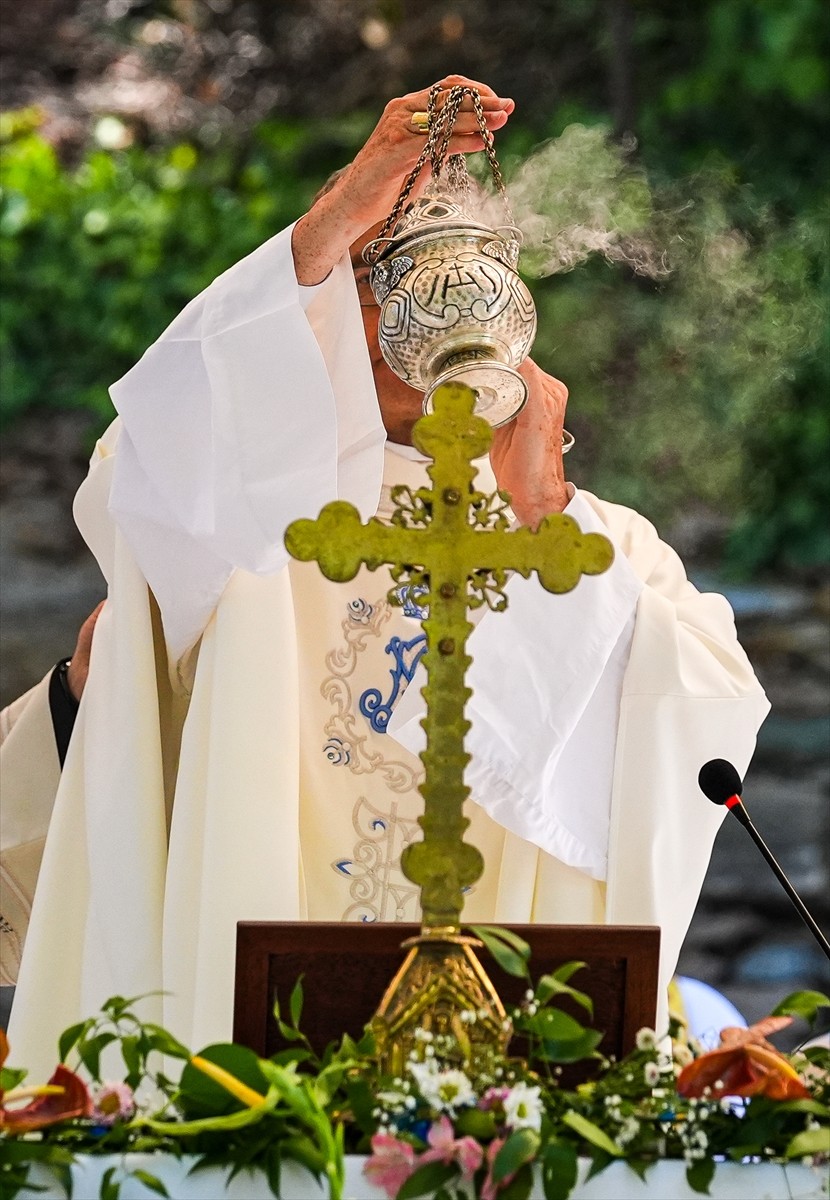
column 366, row 190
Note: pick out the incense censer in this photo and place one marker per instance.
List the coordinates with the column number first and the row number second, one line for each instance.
column 452, row 307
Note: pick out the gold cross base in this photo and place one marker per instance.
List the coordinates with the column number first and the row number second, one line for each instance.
column 441, row 990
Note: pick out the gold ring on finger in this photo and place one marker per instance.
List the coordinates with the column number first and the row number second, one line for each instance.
column 420, row 122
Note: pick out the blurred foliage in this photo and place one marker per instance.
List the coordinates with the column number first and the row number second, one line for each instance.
column 701, row 390
column 97, row 260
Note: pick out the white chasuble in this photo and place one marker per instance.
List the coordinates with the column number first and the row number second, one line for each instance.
column 268, row 793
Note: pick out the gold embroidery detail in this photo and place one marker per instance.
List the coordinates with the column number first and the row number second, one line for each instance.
column 378, row 889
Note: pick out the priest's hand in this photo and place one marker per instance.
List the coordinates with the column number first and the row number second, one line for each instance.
column 526, row 454
column 78, row 669
column 364, row 193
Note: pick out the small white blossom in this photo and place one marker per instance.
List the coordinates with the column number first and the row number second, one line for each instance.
column 646, row 1039
column 628, row 1131
column 651, row 1073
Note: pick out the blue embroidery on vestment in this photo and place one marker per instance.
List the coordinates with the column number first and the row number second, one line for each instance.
column 408, row 596
column 406, row 655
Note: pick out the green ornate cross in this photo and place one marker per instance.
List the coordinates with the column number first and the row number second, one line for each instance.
column 454, row 541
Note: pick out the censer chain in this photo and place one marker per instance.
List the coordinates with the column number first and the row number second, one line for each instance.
column 441, row 123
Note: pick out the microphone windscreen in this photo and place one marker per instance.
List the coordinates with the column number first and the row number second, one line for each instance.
column 719, row 780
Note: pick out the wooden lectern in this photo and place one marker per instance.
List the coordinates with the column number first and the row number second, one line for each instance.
column 346, row 968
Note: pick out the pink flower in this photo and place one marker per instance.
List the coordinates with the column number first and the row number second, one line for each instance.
column 445, row 1148
column 469, row 1154
column 113, row 1102
column 493, row 1097
column 391, row 1164
column 490, row 1189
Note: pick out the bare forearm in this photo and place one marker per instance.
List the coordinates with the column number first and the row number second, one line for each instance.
column 366, row 191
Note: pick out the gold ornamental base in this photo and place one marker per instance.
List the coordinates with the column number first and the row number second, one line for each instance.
column 440, row 979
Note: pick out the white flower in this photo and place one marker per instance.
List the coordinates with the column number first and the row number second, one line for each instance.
column 445, row 1091
column 523, row 1107
column 651, row 1072
column 628, row 1131
column 646, row 1038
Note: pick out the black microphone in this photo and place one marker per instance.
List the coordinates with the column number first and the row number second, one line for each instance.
column 721, row 783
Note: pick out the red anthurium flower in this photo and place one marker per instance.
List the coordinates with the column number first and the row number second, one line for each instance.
column 64, row 1096
column 745, row 1064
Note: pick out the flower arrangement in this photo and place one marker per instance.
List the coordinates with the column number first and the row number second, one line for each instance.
column 452, row 1118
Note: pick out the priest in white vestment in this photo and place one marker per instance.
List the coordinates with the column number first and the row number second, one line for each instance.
column 236, row 754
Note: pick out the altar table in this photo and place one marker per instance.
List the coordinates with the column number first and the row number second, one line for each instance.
column 666, row 1180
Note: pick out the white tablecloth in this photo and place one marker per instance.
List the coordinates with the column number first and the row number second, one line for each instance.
column 665, row 1181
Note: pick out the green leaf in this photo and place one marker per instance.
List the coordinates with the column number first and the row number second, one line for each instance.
column 295, row 1054
column 273, row 1168
column 511, row 960
column 810, row 1141
column 426, row 1180
column 700, row 1174
column 520, row 1186
column 563, row 974
column 600, row 1159
column 802, row 1004
column 560, row 1168
column 110, row 1187
column 505, row 935
column 11, row 1077
column 150, row 1181
column 201, row 1096
column 90, row 1052
column 289, row 1032
column 556, row 1025
column 303, row 1150
column 639, row 1166
column 132, row 1059
column 165, row 1043
column 70, row 1037
column 591, row 1132
column 549, row 986
column 295, row 1003
column 474, row 1122
column 521, row 1147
